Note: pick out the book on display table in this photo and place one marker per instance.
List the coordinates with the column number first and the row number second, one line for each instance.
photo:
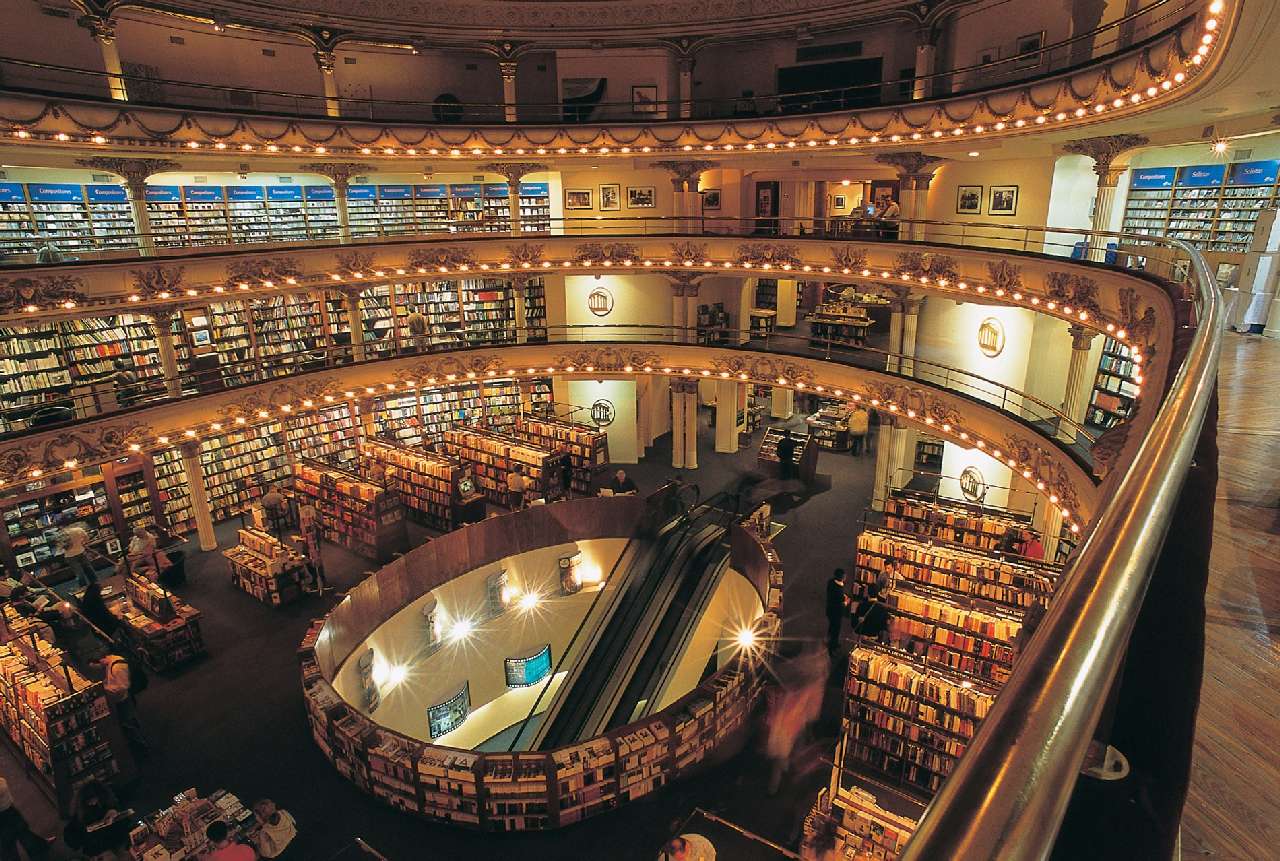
column 265, row 567
column 164, row 629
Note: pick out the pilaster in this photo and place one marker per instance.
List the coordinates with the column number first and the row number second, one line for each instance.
column 134, row 171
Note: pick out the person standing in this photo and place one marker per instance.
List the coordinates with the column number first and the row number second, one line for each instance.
column 75, row 550
column 417, row 325
column 859, row 424
column 566, row 474
column 14, row 830
column 277, row 831
column 118, row 683
column 126, row 384
column 516, row 487
column 837, row 609
column 786, row 456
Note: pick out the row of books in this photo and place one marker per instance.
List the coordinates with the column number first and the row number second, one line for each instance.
column 425, row 482
column 353, row 513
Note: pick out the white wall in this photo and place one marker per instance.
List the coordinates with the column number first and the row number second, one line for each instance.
column 1071, row 198
column 637, row 300
column 623, row 445
column 623, row 175
column 948, row 335
column 997, row 476
column 478, row 659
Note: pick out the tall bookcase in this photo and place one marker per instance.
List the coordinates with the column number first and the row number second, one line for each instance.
column 466, row 207
column 329, row 435
column 535, row 207
column 352, row 512
column 1115, row 386
column 588, row 447
column 34, row 518
column 1214, row 207
column 497, row 208
column 492, row 456
column 172, row 491
column 424, row 481
column 237, row 466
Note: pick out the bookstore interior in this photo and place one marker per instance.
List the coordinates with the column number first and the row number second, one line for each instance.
column 468, row 492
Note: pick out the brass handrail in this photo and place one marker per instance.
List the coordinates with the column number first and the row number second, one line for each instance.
column 1008, row 794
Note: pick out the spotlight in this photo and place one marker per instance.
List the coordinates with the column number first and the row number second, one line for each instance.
column 528, row 601
column 461, row 629
column 746, row 639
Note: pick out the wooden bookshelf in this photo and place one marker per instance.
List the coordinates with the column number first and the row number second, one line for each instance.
column 975, row 526
column 330, row 434
column 587, row 446
column 949, row 634
column 426, row 483
column 238, row 466
column 34, row 518
column 492, row 457
column 265, row 567
column 1115, row 386
column 173, row 496
column 353, row 513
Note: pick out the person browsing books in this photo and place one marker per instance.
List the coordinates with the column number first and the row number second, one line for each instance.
column 222, row 847
column 75, row 549
column 517, row 484
column 277, row 831
column 786, row 456
column 837, row 608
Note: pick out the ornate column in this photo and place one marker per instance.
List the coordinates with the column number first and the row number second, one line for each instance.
column 134, row 171
column 507, row 68
column 901, row 456
column 351, row 303
column 327, row 62
column 677, row 425
column 104, row 33
column 684, row 424
column 684, row 181
column 782, row 403
column 514, row 171
column 1103, row 151
column 1075, row 399
column 926, row 59
column 161, row 320
column 896, row 308
column 190, row 453
column 884, row 458
column 339, row 173
column 910, row 320
column 915, row 172
column 685, row 66
column 727, row 392
column 684, row 307
column 1047, row 520
column 519, row 284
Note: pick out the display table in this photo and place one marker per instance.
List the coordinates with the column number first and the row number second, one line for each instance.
column 804, row 459
column 163, row 629
column 848, row 330
column 177, row 833
column 265, row 568
column 762, row 322
column 829, row 426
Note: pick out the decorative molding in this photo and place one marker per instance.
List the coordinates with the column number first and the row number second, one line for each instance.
column 352, row 264
column 936, row 266
column 1044, row 468
column 768, row 255
column 513, row 171
column 913, row 400
column 1103, row 150
column 1139, row 328
column 524, row 255
column 326, row 61
column 684, row 283
column 263, row 401
column 613, row 359
column 17, row 294
column 606, row 254
column 157, row 282
column 441, row 257
column 689, row 252
column 1077, row 291
column 1081, row 337
column 911, row 163
column 1108, row 447
column 848, row 258
column 778, row 369
column 338, row 172
column 1004, row 276
column 91, row 444
column 134, row 170
column 275, row 271
column 684, row 173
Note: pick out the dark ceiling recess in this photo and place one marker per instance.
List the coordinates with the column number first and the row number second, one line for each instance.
column 837, row 51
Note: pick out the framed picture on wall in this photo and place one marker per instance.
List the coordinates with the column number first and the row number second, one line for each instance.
column 644, row 99
column 577, row 198
column 764, row 201
column 610, row 198
column 987, row 56
column 641, row 197
column 711, row 198
column 969, row 200
column 841, row 201
column 1004, row 200
column 1030, row 45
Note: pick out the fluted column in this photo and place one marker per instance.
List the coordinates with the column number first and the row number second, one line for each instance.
column 1103, row 151
column 340, row 174
column 727, row 392
column 507, row 68
column 198, row 494
column 1075, row 399
column 677, row 425
column 915, row 173
column 685, row 66
column 327, row 63
column 684, row 307
column 518, row 287
column 1047, row 520
column 910, row 321
column 891, row 363
column 104, row 33
column 684, row 182
column 514, row 171
column 782, row 403
column 134, row 171
column 351, row 302
column 926, row 59
column 161, row 325
column 685, row 392
column 884, row 459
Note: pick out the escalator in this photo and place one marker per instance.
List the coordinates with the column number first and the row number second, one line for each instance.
column 649, row 614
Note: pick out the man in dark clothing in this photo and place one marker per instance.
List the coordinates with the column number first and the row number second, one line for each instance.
column 786, row 453
column 873, row 617
column 621, row 484
column 837, row 606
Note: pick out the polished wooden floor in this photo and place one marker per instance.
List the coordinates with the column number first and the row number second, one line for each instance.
column 1233, row 807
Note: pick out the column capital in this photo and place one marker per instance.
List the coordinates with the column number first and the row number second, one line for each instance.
column 684, row 283
column 514, row 171
column 684, row 172
column 913, row 166
column 134, row 170
column 103, row 27
column 1081, row 337
column 161, row 315
column 507, row 68
column 340, row 172
column 189, row 448
column 1103, row 150
column 911, row 305
column 326, row 61
column 684, row 387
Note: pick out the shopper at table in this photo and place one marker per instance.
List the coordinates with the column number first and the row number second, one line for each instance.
column 786, row 456
column 277, row 830
column 859, row 424
column 95, row 611
column 144, row 555
column 621, row 483
column 14, row 830
column 93, row 811
column 74, row 540
column 118, row 683
column 222, row 847
column 837, row 609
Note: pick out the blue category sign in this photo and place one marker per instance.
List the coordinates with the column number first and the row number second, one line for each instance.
column 202, row 193
column 495, row 189
column 362, row 192
column 318, row 192
column 106, row 194
column 245, row 192
column 470, row 189
column 1202, row 175
column 431, row 192
column 1152, row 177
column 11, row 192
column 535, row 189
column 1254, row 172
column 55, row 192
column 395, row 192
column 286, row 192
column 164, row 194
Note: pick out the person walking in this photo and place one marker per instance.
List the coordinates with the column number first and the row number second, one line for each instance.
column 837, row 609
column 859, row 424
column 15, row 832
column 517, row 484
column 75, row 550
column 119, row 684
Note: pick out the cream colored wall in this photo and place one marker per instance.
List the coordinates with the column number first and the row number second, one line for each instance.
column 653, row 409
column 1051, row 346
column 623, row 443
column 853, row 194
column 948, row 335
column 61, row 41
column 1034, row 178
column 997, row 476
column 637, row 300
column 1075, row 185
column 398, row 75
column 53, row 174
column 733, row 199
column 478, row 659
column 623, row 68
column 623, row 175
column 967, row 36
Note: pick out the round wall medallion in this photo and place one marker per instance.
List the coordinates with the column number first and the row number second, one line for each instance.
column 600, row 302
column 991, row 337
column 972, row 484
column 603, row 413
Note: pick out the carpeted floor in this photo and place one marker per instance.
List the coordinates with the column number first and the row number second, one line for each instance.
column 235, row 720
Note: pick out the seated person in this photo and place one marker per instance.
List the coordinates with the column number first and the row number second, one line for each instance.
column 621, row 483
column 96, row 824
column 143, row 555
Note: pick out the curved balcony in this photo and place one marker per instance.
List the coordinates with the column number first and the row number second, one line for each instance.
column 1045, row 88
column 1010, row 791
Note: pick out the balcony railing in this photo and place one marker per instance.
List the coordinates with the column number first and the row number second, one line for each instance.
column 1152, row 20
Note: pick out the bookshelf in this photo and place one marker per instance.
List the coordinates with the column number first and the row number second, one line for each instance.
column 94, row 345
column 396, row 214
column 535, row 310
column 131, row 494
column 237, row 466
column 829, row 427
column 285, row 329
column 379, row 322
column 536, row 395
column 515, row 790
column 967, row 524
column 34, row 518
column 951, row 570
column 61, row 215
column 164, row 629
column 321, row 211
column 492, row 456
column 247, row 214
column 231, row 336
column 587, row 446
column 488, row 311
column 353, row 513
column 839, row 324
column 329, row 434
column 425, row 482
column 17, row 228
column 466, row 207
column 399, row 418
column 362, row 211
column 497, row 208
column 535, row 207
column 111, row 216
column 766, row 294
column 431, row 207
column 949, row 634
column 167, row 217
column 586, row 777
column 33, row 371
column 172, row 491
column 501, row 402
column 1214, row 207
column 265, row 568
column 713, row 324
column 285, row 210
column 439, row 303
column 443, row 408
column 59, row 719
column 928, row 455
column 1115, row 386
column 205, row 208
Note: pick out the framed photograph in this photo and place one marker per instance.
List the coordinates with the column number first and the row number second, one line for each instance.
column 577, row 198
column 1004, row 200
column 644, row 99
column 841, row 201
column 764, row 201
column 610, row 198
column 641, row 197
column 113, row 547
column 1031, row 45
column 201, row 337
column 711, row 198
column 986, row 56
column 969, row 200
